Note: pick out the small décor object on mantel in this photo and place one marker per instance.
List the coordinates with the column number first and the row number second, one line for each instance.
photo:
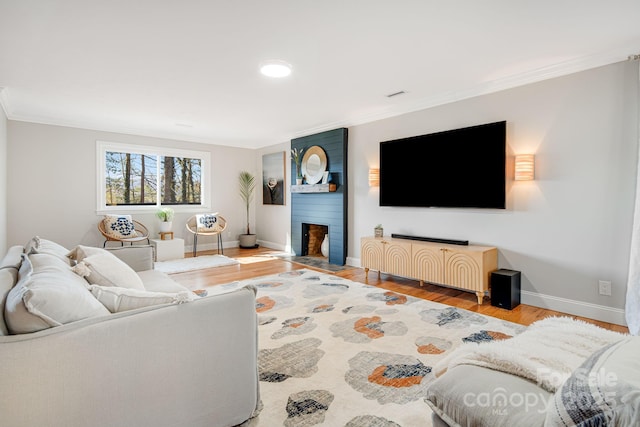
column 378, row 230
column 296, row 155
column 165, row 215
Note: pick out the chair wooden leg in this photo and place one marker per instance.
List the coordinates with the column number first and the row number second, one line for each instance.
column 220, row 247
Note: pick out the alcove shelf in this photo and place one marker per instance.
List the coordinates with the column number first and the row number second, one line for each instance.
column 314, row 188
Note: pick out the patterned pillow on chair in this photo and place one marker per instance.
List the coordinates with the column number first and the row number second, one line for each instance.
column 119, row 227
column 207, row 223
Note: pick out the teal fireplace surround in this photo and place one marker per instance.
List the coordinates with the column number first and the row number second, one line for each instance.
column 328, row 209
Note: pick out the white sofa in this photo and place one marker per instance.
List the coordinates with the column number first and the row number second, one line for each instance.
column 189, row 364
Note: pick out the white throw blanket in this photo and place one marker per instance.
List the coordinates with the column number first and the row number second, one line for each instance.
column 546, row 353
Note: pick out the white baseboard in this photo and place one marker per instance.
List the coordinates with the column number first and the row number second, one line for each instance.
column 577, row 308
column 564, row 305
column 353, row 262
column 272, row 245
column 211, row 246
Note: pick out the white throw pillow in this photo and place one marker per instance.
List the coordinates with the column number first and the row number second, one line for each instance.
column 80, row 252
column 48, row 294
column 207, row 223
column 107, row 270
column 119, row 227
column 117, row 299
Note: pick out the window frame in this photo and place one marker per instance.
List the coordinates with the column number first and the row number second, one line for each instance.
column 102, row 147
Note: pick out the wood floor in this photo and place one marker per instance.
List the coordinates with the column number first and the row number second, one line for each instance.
column 261, row 261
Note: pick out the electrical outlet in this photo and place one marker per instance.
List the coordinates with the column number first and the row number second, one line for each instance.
column 604, row 287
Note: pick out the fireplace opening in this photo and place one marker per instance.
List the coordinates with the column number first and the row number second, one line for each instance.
column 312, row 237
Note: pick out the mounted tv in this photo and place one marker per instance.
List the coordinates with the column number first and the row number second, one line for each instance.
column 461, row 168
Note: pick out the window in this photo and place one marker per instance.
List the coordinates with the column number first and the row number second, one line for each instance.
column 139, row 177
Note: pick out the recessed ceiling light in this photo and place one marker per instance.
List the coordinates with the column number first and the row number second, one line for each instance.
column 275, row 68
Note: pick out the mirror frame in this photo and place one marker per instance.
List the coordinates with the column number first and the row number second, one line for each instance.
column 317, row 177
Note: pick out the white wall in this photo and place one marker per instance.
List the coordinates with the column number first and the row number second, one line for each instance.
column 52, row 170
column 3, row 180
column 273, row 222
column 564, row 231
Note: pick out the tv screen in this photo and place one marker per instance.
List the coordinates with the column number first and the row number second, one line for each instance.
column 461, row 168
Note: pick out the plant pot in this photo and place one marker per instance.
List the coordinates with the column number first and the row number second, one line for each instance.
column 298, row 181
column 248, row 241
column 165, row 226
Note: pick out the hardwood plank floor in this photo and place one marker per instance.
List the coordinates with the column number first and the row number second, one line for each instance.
column 262, row 261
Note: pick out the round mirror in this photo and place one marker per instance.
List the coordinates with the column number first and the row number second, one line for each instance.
column 314, row 163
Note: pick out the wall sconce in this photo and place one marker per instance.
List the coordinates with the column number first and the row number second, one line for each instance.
column 525, row 167
column 374, row 177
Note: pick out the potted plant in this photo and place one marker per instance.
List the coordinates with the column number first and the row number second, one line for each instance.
column 247, row 183
column 165, row 215
column 296, row 155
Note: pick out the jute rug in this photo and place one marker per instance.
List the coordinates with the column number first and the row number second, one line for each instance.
column 196, row 263
column 334, row 352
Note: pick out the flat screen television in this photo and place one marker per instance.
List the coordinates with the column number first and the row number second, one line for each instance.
column 460, row 168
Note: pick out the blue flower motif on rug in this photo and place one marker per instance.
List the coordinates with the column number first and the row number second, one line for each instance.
column 298, row 360
column 451, row 317
column 307, row 408
column 316, row 290
column 391, row 298
column 295, row 326
column 388, row 378
column 484, row 336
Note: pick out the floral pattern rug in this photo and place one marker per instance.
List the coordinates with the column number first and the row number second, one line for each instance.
column 334, row 352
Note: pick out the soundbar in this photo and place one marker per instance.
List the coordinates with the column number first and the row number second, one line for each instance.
column 431, row 239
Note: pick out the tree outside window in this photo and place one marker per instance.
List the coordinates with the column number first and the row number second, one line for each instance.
column 138, row 178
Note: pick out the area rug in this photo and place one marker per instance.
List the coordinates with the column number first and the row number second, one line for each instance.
column 196, row 263
column 315, row 262
column 334, row 352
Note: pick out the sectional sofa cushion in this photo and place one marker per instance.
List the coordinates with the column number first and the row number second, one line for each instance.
column 8, row 277
column 157, row 281
column 100, row 267
column 48, row 294
column 12, row 258
column 604, row 390
column 38, row 245
column 117, row 299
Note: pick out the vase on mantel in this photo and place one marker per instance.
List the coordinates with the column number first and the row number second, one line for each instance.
column 324, row 247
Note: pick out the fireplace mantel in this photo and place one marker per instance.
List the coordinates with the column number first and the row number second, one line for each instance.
column 314, row 188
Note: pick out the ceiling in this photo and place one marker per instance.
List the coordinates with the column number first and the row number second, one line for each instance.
column 188, row 69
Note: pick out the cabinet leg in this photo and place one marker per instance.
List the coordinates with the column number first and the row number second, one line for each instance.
column 480, row 295
column 421, row 283
column 366, row 275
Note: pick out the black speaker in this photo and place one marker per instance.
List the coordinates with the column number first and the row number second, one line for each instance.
column 505, row 289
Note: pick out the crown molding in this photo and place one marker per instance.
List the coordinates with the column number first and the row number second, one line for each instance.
column 544, row 73
column 534, row 76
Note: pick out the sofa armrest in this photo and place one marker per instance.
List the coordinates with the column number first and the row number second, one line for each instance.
column 139, row 257
column 192, row 364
